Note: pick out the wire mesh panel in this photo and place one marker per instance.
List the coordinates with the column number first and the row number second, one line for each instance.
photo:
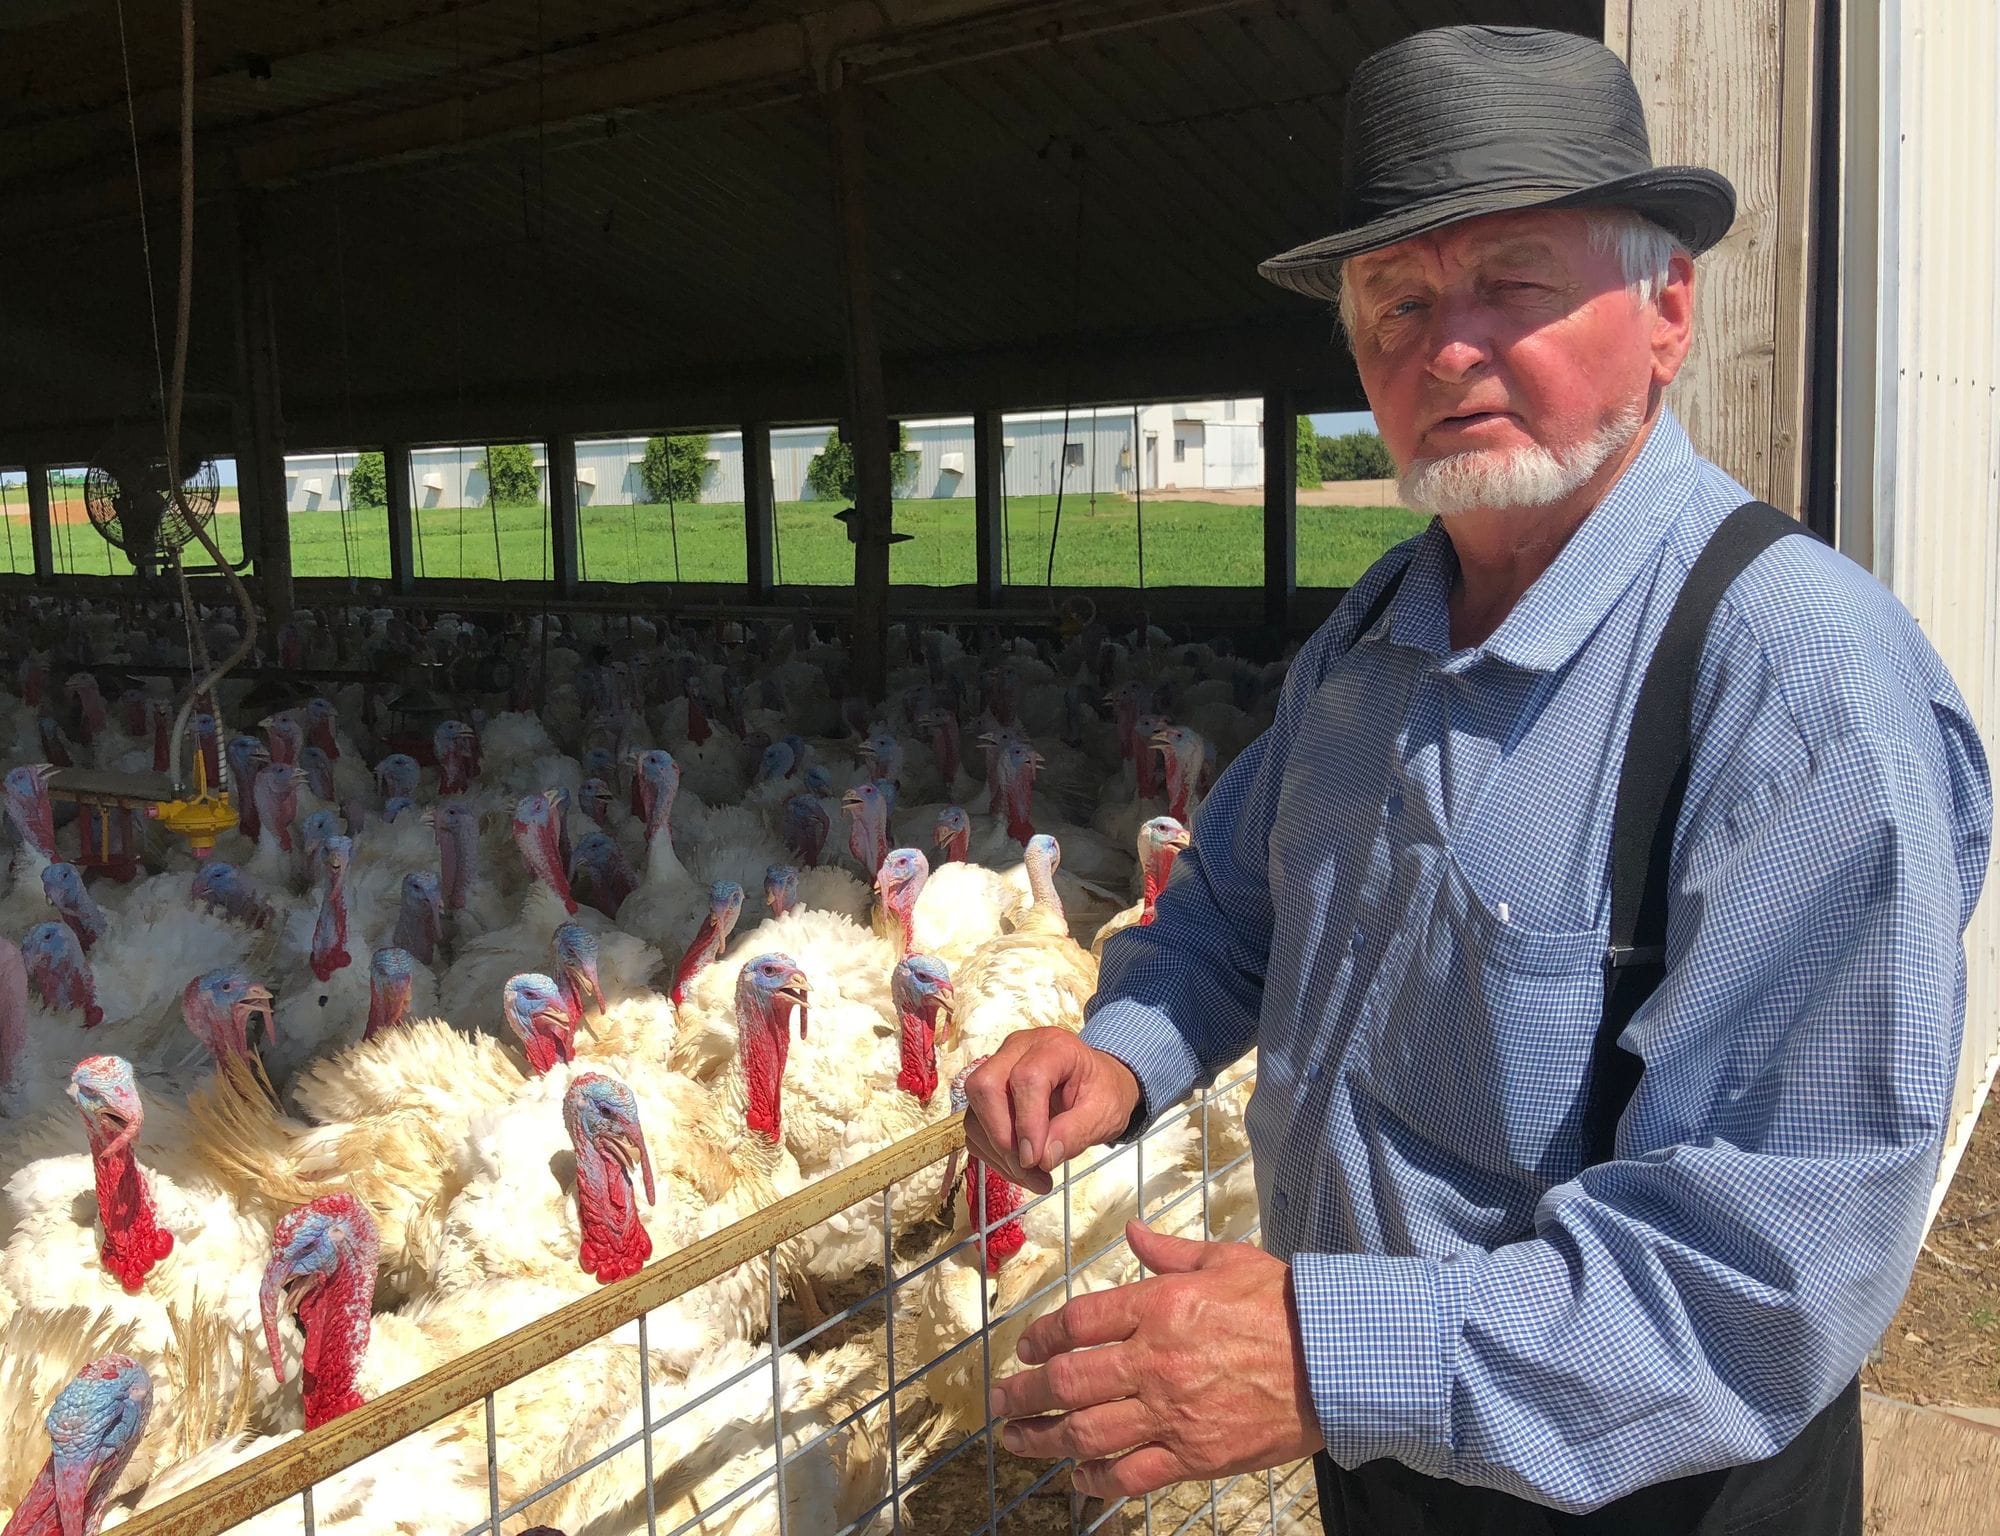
column 818, row 1369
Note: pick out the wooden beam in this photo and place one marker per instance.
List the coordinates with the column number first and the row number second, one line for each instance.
column 760, row 513
column 402, row 543
column 260, row 455
column 41, row 525
column 1798, row 166
column 1710, row 75
column 873, row 512
column 989, row 486
column 564, row 527
column 1281, row 509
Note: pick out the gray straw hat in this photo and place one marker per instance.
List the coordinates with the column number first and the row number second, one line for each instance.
column 1459, row 121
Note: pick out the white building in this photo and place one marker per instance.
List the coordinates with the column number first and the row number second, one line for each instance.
column 1198, row 445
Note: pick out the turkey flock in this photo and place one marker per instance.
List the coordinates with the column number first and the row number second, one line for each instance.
column 610, row 936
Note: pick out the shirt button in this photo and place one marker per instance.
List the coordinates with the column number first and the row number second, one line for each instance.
column 1360, row 939
column 1395, row 806
column 1281, row 1200
column 1313, row 1072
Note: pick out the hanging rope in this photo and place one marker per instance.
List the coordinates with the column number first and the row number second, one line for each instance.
column 493, row 513
column 346, row 368
column 340, row 485
column 7, row 514
column 1069, row 367
column 173, row 395
column 1139, row 492
column 673, row 512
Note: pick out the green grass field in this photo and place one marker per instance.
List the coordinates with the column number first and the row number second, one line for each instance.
column 1186, row 543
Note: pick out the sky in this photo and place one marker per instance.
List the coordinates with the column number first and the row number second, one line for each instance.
column 1338, row 423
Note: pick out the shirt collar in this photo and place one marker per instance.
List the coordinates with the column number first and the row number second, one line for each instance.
column 1570, row 599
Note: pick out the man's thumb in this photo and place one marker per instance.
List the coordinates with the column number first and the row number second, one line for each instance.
column 1165, row 1255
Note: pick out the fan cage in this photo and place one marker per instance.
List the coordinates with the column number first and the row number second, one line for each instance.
column 108, row 499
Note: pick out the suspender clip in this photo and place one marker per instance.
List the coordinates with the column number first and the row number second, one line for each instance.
column 1621, row 957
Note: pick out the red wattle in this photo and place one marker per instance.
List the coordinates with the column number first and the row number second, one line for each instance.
column 614, row 1242
column 134, row 1241
column 1006, row 1239
column 545, row 1048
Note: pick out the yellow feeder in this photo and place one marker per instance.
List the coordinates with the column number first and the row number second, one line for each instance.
column 200, row 819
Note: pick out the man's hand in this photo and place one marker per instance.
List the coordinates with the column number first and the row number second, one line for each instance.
column 1040, row 1099
column 1197, row 1373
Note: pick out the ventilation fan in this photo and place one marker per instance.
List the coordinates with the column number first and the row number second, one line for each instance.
column 131, row 504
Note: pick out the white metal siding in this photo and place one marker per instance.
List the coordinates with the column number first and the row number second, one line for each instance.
column 1936, row 519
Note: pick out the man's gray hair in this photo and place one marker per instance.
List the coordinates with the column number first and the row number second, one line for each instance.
column 1645, row 252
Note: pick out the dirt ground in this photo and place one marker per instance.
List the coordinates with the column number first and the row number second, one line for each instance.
column 1944, row 1346
column 1335, row 493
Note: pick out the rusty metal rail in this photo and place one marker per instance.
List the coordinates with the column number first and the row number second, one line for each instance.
column 977, row 1492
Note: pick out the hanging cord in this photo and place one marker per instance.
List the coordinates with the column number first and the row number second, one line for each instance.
column 1139, row 492
column 548, row 450
column 346, row 373
column 174, row 397
column 673, row 512
column 1069, row 368
column 7, row 515
column 493, row 512
column 346, row 548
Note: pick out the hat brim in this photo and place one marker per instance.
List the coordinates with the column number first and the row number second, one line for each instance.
column 1696, row 206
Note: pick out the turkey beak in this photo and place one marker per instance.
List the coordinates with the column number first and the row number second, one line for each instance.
column 795, row 993
column 1180, row 841
column 253, row 1015
column 282, row 1290
column 944, row 1013
column 628, row 1145
column 950, row 1184
column 73, row 1477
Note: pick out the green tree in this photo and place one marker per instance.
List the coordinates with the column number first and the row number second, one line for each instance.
column 368, row 481
column 510, row 472
column 1355, row 456
column 674, row 467
column 1308, row 452
column 830, row 475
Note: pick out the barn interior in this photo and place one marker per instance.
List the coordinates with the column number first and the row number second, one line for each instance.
column 443, row 222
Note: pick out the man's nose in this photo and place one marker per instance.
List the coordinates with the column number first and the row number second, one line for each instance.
column 1461, row 342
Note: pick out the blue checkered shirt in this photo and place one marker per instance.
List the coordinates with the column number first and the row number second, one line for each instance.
column 1399, row 894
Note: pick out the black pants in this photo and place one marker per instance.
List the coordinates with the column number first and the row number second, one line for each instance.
column 1810, row 1488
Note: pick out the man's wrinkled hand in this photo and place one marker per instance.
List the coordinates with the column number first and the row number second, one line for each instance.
column 1197, row 1372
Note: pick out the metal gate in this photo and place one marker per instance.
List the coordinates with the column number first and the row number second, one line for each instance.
column 870, row 1419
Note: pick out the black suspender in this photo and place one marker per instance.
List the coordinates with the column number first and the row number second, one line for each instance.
column 1651, row 786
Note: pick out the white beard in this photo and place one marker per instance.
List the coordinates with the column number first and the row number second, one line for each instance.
column 1503, row 478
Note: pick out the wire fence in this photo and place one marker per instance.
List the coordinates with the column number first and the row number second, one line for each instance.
column 625, row 1412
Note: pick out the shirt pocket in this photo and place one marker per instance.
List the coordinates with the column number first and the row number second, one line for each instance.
column 1480, row 1045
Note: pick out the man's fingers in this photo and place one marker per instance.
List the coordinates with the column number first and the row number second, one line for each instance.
column 1146, row 1470
column 1164, row 1254
column 1102, row 1317
column 1084, row 1435
column 1030, row 1088
column 1066, row 1383
column 989, row 1120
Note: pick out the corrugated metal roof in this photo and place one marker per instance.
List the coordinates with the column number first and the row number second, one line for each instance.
column 626, row 255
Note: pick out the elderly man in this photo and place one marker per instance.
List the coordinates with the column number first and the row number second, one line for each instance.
column 1594, row 901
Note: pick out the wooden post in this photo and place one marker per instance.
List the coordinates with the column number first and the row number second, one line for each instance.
column 402, row 544
column 41, row 524
column 989, row 487
column 564, row 524
column 760, row 513
column 867, row 407
column 1731, row 84
column 260, row 458
column 1281, row 509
